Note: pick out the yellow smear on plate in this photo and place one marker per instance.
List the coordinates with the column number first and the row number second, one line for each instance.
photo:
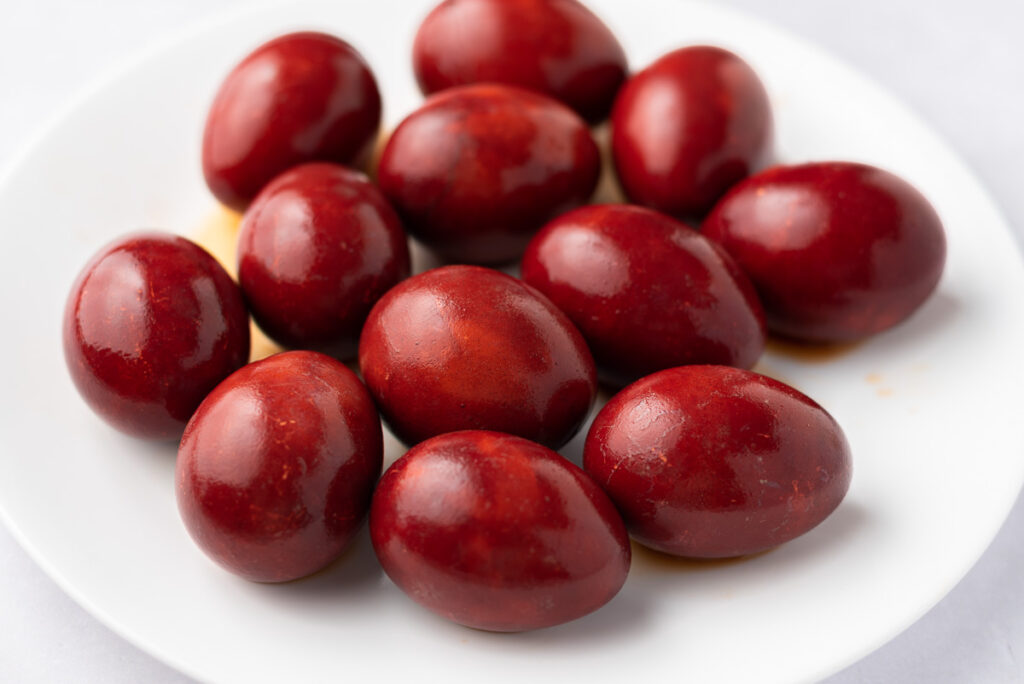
column 608, row 189
column 218, row 235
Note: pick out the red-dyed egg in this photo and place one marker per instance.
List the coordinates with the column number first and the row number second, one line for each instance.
column 151, row 325
column 498, row 533
column 714, row 462
column 837, row 251
column 646, row 291
column 556, row 47
column 300, row 97
column 477, row 170
column 317, row 248
column 465, row 347
column 277, row 467
column 688, row 127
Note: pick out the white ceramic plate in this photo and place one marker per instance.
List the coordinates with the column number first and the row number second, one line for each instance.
column 930, row 408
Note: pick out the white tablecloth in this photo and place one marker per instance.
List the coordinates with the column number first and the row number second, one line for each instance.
column 958, row 64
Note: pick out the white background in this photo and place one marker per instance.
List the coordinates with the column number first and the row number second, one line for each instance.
column 960, row 65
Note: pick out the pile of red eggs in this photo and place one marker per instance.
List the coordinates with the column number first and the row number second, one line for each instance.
column 481, row 373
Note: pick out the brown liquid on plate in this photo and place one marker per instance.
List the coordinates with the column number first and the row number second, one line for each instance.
column 657, row 561
column 378, row 150
column 219, row 236
column 814, row 353
column 608, row 189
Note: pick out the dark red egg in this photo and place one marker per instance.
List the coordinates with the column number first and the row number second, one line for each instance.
column 838, row 251
column 715, row 462
column 151, row 325
column 556, row 47
column 317, row 248
column 477, row 170
column 277, row 467
column 465, row 347
column 646, row 291
column 300, row 97
column 688, row 127
column 497, row 532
